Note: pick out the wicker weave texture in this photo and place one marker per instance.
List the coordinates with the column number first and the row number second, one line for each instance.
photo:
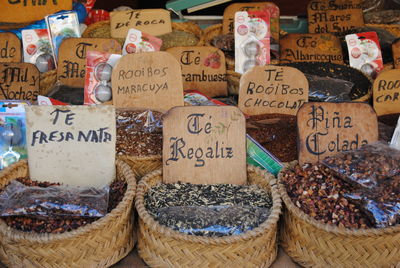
column 314, row 244
column 160, row 246
column 142, row 165
column 99, row 244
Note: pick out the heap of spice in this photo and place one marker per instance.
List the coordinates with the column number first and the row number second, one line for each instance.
column 64, row 224
column 275, row 132
column 178, row 39
column 139, row 133
column 208, row 210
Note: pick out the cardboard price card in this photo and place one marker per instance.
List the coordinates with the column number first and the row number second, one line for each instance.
column 18, row 11
column 152, row 80
column 204, row 145
column 386, row 92
column 10, row 48
column 272, row 89
column 19, row 81
column 72, row 57
column 329, row 128
column 203, row 69
column 72, row 145
column 152, row 21
column 326, row 16
column 396, row 54
column 310, row 48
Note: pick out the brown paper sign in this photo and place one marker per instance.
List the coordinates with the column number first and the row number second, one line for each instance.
column 310, row 48
column 229, row 16
column 328, row 128
column 272, row 89
column 326, row 16
column 151, row 21
column 396, row 54
column 72, row 57
column 203, row 69
column 73, row 145
column 386, row 92
column 204, row 145
column 19, row 81
column 10, row 48
column 152, row 80
column 30, row 10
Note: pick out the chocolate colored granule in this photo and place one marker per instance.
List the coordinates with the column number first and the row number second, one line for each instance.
column 208, row 210
column 139, row 133
column 61, row 225
column 275, row 132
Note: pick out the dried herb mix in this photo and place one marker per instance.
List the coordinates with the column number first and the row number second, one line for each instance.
column 178, row 39
column 208, row 210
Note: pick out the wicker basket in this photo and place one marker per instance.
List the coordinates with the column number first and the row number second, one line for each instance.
column 47, row 81
column 142, row 165
column 100, row 244
column 160, row 246
column 315, row 244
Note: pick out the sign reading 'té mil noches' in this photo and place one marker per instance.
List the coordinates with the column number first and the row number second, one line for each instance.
column 327, row 16
column 204, row 145
column 73, row 145
column 19, row 81
column 72, row 57
column 396, row 53
column 386, row 92
column 329, row 128
column 272, row 89
column 151, row 21
column 203, row 69
column 152, row 80
column 311, row 47
column 10, row 48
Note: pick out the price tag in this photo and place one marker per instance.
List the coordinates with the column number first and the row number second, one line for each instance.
column 10, row 48
column 386, row 92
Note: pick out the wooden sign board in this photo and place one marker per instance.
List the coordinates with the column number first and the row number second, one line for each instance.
column 396, row 54
column 272, row 89
column 204, row 145
column 386, row 92
column 19, row 81
column 73, row 145
column 10, row 48
column 228, row 22
column 151, row 21
column 328, row 128
column 72, row 57
column 311, row 48
column 152, row 80
column 19, row 11
column 326, row 16
column 203, row 69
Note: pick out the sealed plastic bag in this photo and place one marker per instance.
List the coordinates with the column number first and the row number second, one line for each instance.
column 54, row 201
column 328, row 89
column 370, row 166
column 212, row 221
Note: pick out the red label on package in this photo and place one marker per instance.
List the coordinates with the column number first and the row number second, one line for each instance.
column 138, row 41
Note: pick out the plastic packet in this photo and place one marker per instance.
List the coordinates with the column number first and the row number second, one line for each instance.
column 99, row 66
column 67, row 94
column 137, row 41
column 368, row 167
column 395, row 141
column 212, row 221
column 141, row 121
column 54, row 201
column 328, row 89
column 196, row 98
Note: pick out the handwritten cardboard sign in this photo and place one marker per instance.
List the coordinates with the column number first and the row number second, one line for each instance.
column 386, row 92
column 203, row 69
column 73, row 145
column 152, row 80
column 311, row 47
column 151, row 21
column 204, row 145
column 328, row 128
column 396, row 54
column 72, row 57
column 272, row 89
column 18, row 11
column 19, row 81
column 10, row 48
column 326, row 16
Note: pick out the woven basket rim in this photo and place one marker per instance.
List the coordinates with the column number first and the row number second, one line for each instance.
column 323, row 226
column 135, row 157
column 129, row 196
column 166, row 231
